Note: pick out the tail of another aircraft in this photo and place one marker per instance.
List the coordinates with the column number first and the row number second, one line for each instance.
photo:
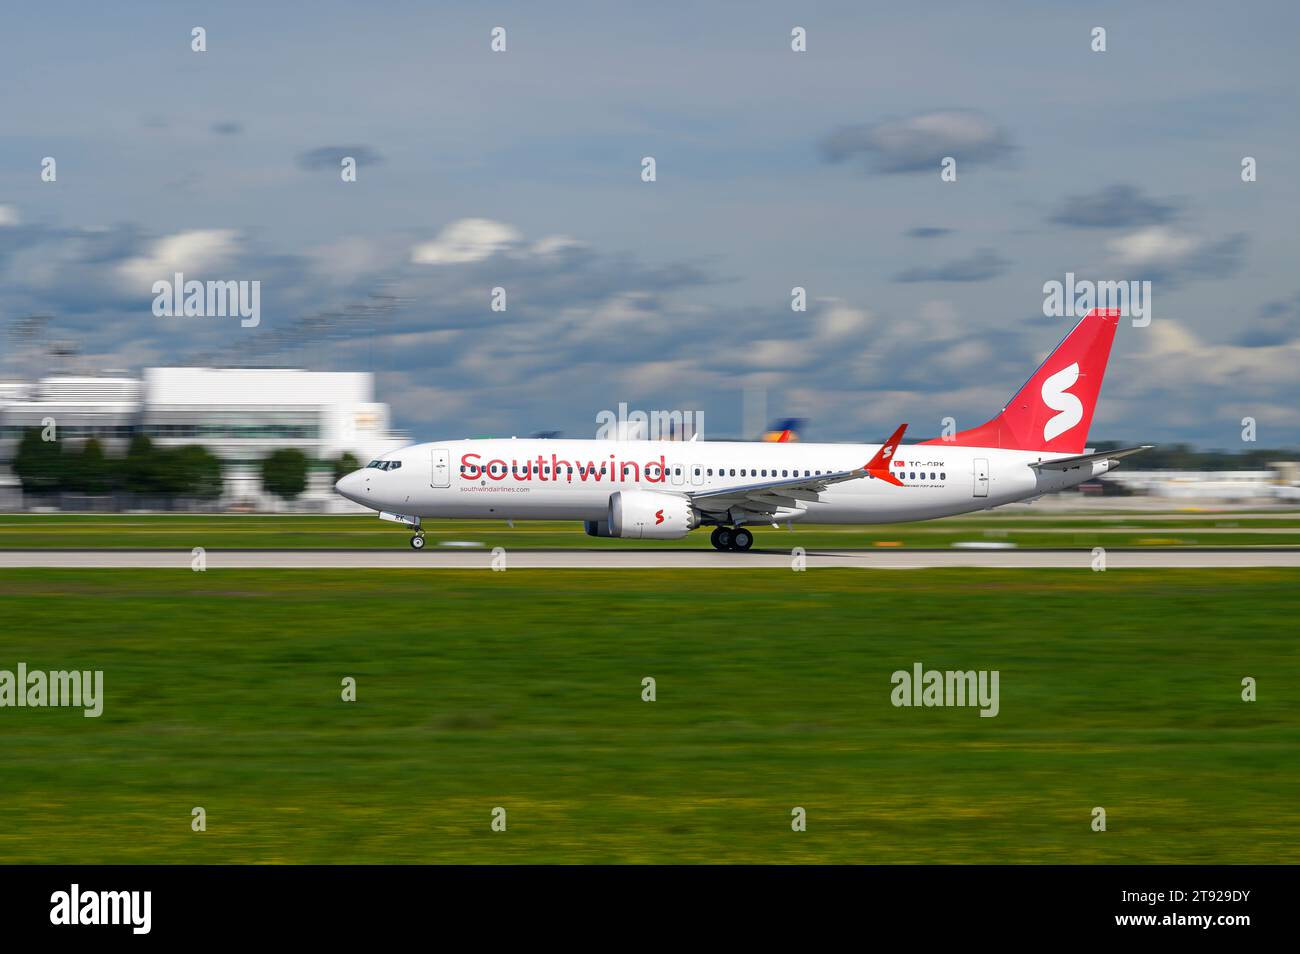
column 1053, row 411
column 785, row 430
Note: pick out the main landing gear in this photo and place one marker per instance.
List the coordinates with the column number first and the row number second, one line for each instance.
column 731, row 538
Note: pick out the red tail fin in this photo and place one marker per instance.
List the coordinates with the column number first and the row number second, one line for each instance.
column 1053, row 411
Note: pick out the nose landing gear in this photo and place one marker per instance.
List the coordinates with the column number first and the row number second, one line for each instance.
column 731, row 538
column 417, row 541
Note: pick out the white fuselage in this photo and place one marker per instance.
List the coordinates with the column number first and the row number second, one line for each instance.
column 563, row 479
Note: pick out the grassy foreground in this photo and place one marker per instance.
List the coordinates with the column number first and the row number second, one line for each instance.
column 523, row 690
column 263, row 531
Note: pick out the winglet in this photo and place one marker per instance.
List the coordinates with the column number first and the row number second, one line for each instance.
column 878, row 466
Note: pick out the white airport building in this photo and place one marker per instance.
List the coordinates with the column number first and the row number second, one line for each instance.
column 239, row 414
column 1227, row 485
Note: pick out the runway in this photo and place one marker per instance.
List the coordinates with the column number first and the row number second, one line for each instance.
column 608, row 559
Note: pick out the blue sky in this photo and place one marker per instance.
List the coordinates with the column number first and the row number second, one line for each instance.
column 775, row 169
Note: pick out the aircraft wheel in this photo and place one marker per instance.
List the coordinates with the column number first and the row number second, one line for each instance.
column 741, row 539
column 417, row 542
column 721, row 538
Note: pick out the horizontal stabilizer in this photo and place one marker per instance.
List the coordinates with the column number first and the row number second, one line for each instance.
column 1069, row 463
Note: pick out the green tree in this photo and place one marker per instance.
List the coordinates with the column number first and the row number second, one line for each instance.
column 193, row 471
column 142, row 467
column 284, row 473
column 38, row 463
column 89, row 472
column 345, row 464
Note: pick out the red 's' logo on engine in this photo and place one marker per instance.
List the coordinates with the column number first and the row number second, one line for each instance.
column 659, row 517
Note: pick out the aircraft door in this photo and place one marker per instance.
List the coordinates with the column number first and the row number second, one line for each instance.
column 441, row 468
column 697, row 474
column 678, row 474
column 981, row 477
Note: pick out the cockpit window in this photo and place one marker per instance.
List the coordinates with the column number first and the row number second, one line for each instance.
column 384, row 464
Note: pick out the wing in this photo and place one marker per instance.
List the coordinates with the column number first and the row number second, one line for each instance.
column 1069, row 463
column 772, row 495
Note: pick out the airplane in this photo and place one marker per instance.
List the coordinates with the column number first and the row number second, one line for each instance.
column 662, row 490
column 785, row 430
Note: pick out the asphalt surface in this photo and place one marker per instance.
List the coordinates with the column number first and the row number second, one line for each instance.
column 433, row 557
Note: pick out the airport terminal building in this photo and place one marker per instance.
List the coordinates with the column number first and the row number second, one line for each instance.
column 239, row 414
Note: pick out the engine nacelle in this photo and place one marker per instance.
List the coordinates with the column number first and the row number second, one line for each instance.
column 650, row 515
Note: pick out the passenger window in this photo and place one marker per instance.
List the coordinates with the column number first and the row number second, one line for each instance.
column 709, row 472
column 943, row 476
column 733, row 472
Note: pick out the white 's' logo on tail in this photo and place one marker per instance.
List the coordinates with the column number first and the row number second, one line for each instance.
column 1057, row 397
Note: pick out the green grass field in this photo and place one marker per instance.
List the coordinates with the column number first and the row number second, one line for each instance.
column 243, row 532
column 523, row 690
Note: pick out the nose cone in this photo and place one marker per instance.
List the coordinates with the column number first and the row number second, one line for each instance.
column 349, row 485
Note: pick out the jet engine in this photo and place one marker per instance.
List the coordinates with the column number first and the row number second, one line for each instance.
column 647, row 515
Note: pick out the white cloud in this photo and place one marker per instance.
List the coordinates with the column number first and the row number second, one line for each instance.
column 918, row 143
column 466, row 241
column 655, row 375
column 939, row 319
column 554, row 245
column 9, row 216
column 346, row 260
column 841, row 321
column 964, row 355
column 773, row 354
column 1157, row 245
column 195, row 252
column 1181, row 360
column 626, row 308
